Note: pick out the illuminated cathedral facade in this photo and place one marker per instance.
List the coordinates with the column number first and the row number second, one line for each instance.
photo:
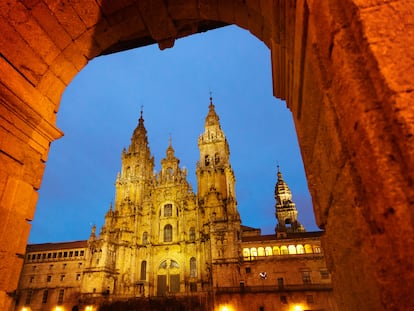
column 160, row 240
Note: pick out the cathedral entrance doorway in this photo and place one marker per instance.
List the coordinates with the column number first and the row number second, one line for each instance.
column 168, row 277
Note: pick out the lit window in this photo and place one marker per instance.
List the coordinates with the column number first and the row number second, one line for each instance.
column 300, row 249
column 276, row 250
column 246, row 253
column 284, row 250
column 308, row 249
column 317, row 249
column 253, row 252
column 168, row 233
column 260, row 251
column 193, row 267
column 168, row 210
column 292, row 249
column 268, row 251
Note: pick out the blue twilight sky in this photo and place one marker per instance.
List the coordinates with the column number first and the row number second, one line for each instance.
column 100, row 110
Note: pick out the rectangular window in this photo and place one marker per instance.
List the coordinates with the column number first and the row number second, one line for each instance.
column 76, row 253
column 44, row 256
column 28, row 297
column 65, row 254
column 70, row 253
column 64, row 266
column 62, row 277
column 49, row 255
column 78, row 277
column 79, row 265
column 248, row 270
column 81, row 253
column 44, row 297
column 60, row 255
column 33, row 256
column 280, row 283
column 283, row 299
column 306, row 277
column 34, row 268
column 38, row 256
column 49, row 278
column 54, row 255
column 60, row 297
column 324, row 274
column 31, row 279
column 50, row 267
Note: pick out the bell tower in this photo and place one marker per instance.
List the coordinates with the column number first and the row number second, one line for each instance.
column 137, row 168
column 216, row 196
column 286, row 212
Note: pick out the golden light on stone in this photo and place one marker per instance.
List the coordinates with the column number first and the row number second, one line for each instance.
column 226, row 308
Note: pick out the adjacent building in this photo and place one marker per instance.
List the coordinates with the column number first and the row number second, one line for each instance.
column 160, row 240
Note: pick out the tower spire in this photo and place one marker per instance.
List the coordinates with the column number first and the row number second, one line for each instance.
column 286, row 212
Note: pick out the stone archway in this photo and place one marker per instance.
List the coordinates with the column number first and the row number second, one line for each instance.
column 344, row 67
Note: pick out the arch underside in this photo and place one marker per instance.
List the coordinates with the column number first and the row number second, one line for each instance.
column 343, row 67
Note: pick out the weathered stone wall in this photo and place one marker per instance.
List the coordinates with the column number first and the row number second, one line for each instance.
column 345, row 68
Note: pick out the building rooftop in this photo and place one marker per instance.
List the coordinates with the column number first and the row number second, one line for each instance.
column 56, row 246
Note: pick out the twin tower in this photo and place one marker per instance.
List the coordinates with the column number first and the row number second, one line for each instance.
column 160, row 237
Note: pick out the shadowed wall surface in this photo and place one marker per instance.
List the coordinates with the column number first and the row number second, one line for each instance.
column 344, row 68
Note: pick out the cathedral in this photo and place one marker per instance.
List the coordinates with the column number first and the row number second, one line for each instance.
column 162, row 241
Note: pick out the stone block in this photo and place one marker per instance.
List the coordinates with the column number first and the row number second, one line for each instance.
column 67, row 17
column 48, row 21
column 28, row 27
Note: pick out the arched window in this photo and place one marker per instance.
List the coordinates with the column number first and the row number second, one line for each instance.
column 253, row 252
column 308, row 249
column 292, row 249
column 276, row 250
column 246, row 253
column 143, row 275
column 284, row 250
column 207, row 160
column 191, row 234
column 167, row 210
column 193, row 267
column 268, row 251
column 167, row 233
column 127, row 171
column 216, row 158
column 300, row 249
column 145, row 238
column 317, row 249
column 260, row 251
